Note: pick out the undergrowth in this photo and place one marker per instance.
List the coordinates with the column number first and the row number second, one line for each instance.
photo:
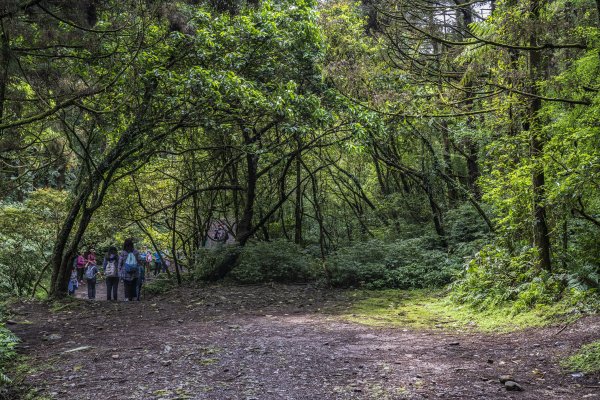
column 159, row 285
column 403, row 264
column 422, row 309
column 586, row 359
column 495, row 279
column 373, row 264
column 8, row 342
column 261, row 262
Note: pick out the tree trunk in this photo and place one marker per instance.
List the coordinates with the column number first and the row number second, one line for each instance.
column 471, row 147
column 298, row 205
column 452, row 195
column 541, row 233
column 245, row 224
column 4, row 65
column 58, row 253
column 173, row 242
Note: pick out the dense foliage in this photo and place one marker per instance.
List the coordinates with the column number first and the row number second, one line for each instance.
column 8, row 342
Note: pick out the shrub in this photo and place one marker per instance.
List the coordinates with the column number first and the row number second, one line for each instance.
column 493, row 278
column 8, row 342
column 208, row 259
column 160, row 285
column 403, row 264
column 276, row 261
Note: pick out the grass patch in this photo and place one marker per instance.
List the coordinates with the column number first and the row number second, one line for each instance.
column 208, row 355
column 68, row 303
column 421, row 309
column 159, row 285
column 586, row 359
column 208, row 361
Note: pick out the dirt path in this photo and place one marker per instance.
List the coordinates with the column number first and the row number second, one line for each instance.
column 82, row 292
column 275, row 343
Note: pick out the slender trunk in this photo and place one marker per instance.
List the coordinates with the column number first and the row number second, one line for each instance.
column 236, row 197
column 298, row 205
column 4, row 65
column 383, row 186
column 173, row 242
column 452, row 195
column 438, row 219
column 264, row 228
column 565, row 238
column 155, row 245
column 471, row 147
column 282, row 220
column 540, row 226
column 473, row 172
column 197, row 236
column 245, row 224
column 319, row 218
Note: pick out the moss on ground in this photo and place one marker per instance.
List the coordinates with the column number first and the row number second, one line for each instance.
column 586, row 359
column 420, row 309
column 160, row 285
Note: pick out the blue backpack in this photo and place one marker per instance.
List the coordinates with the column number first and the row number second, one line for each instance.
column 131, row 266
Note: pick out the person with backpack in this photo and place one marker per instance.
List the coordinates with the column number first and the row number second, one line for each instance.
column 129, row 269
column 111, row 272
column 166, row 263
column 90, row 276
column 158, row 261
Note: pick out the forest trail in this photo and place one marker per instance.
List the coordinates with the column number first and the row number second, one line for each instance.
column 82, row 291
column 279, row 342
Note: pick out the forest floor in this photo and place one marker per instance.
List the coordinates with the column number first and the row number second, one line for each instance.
column 279, row 342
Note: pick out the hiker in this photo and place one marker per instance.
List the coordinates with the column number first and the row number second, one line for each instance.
column 158, row 261
column 80, row 266
column 73, row 283
column 129, row 269
column 111, row 272
column 148, row 257
column 141, row 280
column 166, row 262
column 90, row 276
